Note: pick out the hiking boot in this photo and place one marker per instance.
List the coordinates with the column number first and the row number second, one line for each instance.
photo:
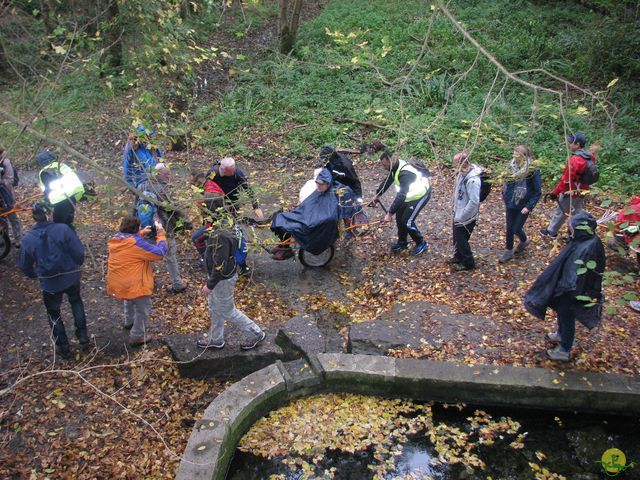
column 64, row 352
column 254, row 344
column 452, row 260
column 506, row 256
column 547, row 234
column 459, row 267
column 283, row 254
column 522, row 246
column 420, row 248
column 135, row 340
column 554, row 337
column 83, row 338
column 558, row 354
column 635, row 305
column 205, row 342
column 244, row 270
column 399, row 246
column 176, row 290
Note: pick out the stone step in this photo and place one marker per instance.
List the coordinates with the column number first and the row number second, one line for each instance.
column 228, row 362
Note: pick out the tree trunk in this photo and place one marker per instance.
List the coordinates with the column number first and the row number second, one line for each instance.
column 187, row 8
column 289, row 26
column 113, row 37
column 44, row 11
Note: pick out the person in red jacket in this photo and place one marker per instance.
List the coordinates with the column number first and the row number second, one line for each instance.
column 569, row 192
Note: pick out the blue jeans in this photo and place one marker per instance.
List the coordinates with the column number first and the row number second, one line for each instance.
column 52, row 302
column 515, row 226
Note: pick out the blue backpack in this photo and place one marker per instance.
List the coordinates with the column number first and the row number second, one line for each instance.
column 146, row 211
column 242, row 251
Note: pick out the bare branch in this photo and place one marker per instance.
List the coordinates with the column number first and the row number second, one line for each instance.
column 83, row 159
column 490, row 57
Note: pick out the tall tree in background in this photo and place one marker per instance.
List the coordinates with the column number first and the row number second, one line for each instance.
column 113, row 36
column 289, row 24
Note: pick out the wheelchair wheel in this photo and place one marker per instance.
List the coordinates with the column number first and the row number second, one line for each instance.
column 310, row 260
column 5, row 243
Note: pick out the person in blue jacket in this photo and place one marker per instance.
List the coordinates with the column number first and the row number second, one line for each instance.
column 521, row 193
column 53, row 253
column 139, row 158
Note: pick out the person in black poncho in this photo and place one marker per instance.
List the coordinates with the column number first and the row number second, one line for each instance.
column 575, row 274
column 342, row 169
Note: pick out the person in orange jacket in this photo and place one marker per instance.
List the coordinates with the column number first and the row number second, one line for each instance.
column 130, row 274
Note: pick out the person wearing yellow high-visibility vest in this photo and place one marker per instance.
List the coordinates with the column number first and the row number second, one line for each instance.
column 412, row 194
column 61, row 186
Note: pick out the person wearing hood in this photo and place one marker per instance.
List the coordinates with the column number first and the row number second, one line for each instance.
column 571, row 285
column 342, row 169
column 139, row 158
column 521, row 193
column 61, row 186
column 53, row 253
column 313, row 223
column 570, row 192
column 465, row 211
column 413, row 192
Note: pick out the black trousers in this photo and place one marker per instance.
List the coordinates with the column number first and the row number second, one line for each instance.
column 406, row 219
column 461, row 236
column 52, row 302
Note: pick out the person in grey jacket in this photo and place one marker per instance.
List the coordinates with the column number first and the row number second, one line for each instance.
column 219, row 289
column 465, row 211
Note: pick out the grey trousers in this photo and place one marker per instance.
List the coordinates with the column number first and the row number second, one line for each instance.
column 16, row 227
column 559, row 217
column 222, row 307
column 171, row 261
column 136, row 313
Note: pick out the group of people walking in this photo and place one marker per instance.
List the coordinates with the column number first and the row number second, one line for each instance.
column 53, row 252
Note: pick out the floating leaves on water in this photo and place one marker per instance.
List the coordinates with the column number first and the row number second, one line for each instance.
column 304, row 431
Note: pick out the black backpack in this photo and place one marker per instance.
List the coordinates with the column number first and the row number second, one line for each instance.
column 591, row 174
column 485, row 185
column 420, row 167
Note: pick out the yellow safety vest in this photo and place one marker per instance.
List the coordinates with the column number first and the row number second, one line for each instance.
column 66, row 186
column 418, row 188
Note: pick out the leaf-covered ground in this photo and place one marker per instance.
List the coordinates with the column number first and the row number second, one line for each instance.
column 118, row 413
column 113, row 412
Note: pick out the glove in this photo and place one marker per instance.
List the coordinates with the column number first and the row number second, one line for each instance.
column 550, row 196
